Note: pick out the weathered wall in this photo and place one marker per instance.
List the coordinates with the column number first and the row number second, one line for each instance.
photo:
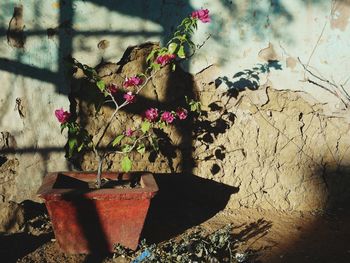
column 278, row 147
column 283, row 149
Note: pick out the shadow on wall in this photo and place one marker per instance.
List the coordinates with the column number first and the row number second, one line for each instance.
column 164, row 14
column 247, row 78
column 207, row 129
column 64, row 33
column 336, row 179
column 261, row 18
column 185, row 207
column 265, row 19
column 328, row 178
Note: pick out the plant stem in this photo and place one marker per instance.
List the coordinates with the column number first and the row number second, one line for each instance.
column 99, row 171
column 117, row 108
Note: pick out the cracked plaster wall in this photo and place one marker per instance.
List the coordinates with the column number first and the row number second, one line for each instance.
column 292, row 167
column 281, row 150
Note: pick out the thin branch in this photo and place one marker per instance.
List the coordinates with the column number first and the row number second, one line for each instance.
column 118, row 107
column 316, row 45
column 199, row 47
column 132, row 147
column 346, row 81
column 337, row 92
column 345, row 92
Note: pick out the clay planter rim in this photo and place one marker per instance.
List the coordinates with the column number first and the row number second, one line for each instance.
column 49, row 192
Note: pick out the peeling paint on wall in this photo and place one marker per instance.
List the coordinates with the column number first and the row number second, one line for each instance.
column 103, row 44
column 21, row 107
column 268, row 54
column 15, row 34
column 7, row 141
column 340, row 15
column 291, row 62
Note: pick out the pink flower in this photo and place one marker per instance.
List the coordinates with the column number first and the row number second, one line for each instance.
column 151, row 114
column 181, row 113
column 167, row 116
column 132, row 81
column 202, row 15
column 112, row 88
column 165, row 59
column 61, row 115
column 129, row 97
column 129, row 132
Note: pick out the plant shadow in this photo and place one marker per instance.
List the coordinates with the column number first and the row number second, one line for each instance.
column 16, row 245
column 247, row 78
column 250, row 234
column 182, row 202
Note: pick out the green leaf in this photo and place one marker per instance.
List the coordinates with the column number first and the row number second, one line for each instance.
column 193, row 107
column 141, row 148
column 181, row 52
column 173, row 67
column 72, row 143
column 80, row 147
column 101, row 85
column 155, row 66
column 172, row 48
column 117, row 139
column 141, row 75
column 145, row 126
column 191, row 44
column 126, row 148
column 63, row 126
column 151, row 55
column 126, row 164
column 154, row 143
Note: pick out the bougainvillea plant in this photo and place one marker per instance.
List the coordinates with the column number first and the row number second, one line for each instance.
column 140, row 138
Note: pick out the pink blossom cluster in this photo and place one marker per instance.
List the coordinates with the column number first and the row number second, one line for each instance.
column 167, row 117
column 202, row 15
column 132, row 81
column 112, row 88
column 129, row 97
column 165, row 59
column 181, row 113
column 152, row 115
column 129, row 132
column 62, row 115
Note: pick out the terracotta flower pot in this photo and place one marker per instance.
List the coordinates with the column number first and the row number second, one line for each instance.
column 89, row 220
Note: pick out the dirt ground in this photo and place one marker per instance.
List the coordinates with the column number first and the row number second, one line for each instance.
column 269, row 235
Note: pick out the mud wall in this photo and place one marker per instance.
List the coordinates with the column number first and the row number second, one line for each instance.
column 272, row 77
column 279, row 148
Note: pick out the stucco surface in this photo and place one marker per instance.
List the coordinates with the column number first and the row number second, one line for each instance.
column 272, row 76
